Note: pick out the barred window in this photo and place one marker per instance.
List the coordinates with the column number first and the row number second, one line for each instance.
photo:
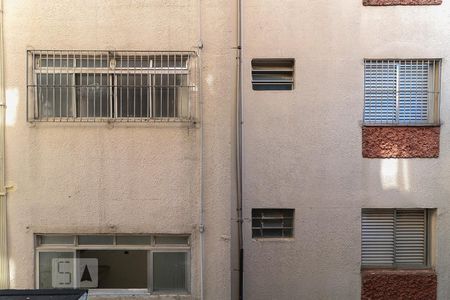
column 395, row 237
column 110, row 85
column 272, row 223
column 401, row 92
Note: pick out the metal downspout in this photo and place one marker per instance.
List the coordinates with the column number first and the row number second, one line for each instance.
column 4, row 263
column 202, row 124
column 239, row 139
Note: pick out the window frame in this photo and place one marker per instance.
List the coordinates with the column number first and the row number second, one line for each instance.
column 428, row 232
column 150, row 249
column 434, row 97
column 150, row 272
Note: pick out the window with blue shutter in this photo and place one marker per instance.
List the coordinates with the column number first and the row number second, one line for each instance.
column 401, row 92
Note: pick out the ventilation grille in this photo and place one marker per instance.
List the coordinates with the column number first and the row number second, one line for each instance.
column 272, row 223
column 273, row 74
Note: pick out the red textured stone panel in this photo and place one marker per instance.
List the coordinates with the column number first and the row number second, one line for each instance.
column 398, row 284
column 400, row 142
column 401, row 2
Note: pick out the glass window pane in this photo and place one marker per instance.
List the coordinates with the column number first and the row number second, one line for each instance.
column 120, row 269
column 45, row 267
column 170, row 96
column 57, row 239
column 92, row 94
column 95, row 240
column 133, row 96
column 91, row 61
column 54, row 95
column 170, row 271
column 169, row 240
column 133, row 240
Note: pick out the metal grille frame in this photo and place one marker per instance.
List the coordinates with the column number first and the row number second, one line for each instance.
column 402, row 92
column 272, row 223
column 111, row 86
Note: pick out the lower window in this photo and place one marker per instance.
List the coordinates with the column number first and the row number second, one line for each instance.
column 396, row 238
column 158, row 264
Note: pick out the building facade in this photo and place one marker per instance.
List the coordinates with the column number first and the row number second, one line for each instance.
column 103, row 164
column 352, row 150
column 172, row 140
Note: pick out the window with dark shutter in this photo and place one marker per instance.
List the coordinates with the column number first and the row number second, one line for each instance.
column 394, row 237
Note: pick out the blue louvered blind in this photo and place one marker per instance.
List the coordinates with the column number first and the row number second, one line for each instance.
column 401, row 92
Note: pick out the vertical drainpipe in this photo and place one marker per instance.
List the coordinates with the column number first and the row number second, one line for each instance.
column 202, row 124
column 4, row 263
column 239, row 139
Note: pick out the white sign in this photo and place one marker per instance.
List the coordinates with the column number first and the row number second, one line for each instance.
column 88, row 273
column 74, row 272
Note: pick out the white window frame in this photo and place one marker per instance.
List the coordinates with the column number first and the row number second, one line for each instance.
column 150, row 249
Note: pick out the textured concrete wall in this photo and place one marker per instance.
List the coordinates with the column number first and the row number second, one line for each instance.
column 394, row 284
column 98, row 178
column 400, row 142
column 401, row 2
column 302, row 148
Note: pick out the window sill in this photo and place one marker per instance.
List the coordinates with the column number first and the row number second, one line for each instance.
column 277, row 240
column 398, row 269
column 118, row 292
column 400, row 2
column 362, row 124
column 135, row 294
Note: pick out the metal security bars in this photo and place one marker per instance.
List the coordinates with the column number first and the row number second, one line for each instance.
column 123, row 86
column 273, row 74
column 394, row 237
column 272, row 223
column 401, row 92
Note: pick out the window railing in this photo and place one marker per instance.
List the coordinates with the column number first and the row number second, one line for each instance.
column 111, row 86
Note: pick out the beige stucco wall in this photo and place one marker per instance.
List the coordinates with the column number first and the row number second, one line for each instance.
column 302, row 148
column 92, row 178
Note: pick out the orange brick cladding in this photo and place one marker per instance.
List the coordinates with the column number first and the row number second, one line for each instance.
column 400, row 142
column 398, row 284
column 401, row 2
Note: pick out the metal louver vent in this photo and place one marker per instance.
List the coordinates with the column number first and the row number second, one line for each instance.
column 273, row 74
column 393, row 237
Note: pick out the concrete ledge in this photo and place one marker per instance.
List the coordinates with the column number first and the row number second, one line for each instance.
column 398, row 284
column 400, row 2
column 400, row 142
